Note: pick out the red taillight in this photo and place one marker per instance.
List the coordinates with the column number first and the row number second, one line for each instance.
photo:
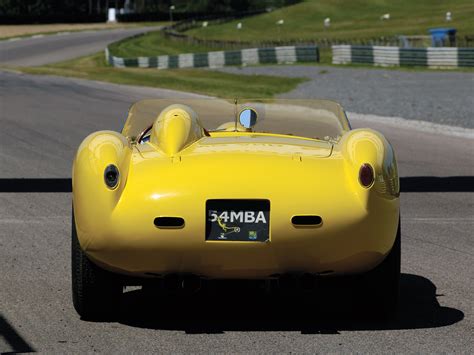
column 366, row 175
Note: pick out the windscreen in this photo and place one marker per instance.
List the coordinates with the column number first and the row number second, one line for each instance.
column 317, row 119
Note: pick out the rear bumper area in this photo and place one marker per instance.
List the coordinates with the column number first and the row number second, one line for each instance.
column 346, row 242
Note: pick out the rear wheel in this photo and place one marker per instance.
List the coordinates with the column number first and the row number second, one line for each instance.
column 380, row 287
column 96, row 292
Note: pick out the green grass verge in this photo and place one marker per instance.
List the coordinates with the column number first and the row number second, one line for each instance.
column 200, row 81
column 354, row 19
column 154, row 44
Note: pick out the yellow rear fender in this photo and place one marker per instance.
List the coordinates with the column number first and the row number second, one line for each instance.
column 96, row 152
column 366, row 146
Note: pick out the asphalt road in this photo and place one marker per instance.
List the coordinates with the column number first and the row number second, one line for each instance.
column 56, row 48
column 433, row 96
column 43, row 119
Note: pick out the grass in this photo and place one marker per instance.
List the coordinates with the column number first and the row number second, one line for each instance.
column 200, row 81
column 153, row 44
column 350, row 19
column 354, row 19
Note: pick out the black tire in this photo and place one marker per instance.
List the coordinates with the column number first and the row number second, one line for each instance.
column 380, row 287
column 96, row 293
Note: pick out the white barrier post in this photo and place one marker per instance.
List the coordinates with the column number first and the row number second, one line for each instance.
column 111, row 16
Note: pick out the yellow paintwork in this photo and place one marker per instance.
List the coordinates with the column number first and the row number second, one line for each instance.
column 175, row 173
column 175, row 128
column 232, row 127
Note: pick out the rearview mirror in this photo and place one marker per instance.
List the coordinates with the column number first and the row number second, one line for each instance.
column 248, row 117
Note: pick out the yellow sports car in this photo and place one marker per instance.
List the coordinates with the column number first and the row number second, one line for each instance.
column 205, row 189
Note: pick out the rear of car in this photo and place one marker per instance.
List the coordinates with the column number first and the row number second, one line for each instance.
column 233, row 204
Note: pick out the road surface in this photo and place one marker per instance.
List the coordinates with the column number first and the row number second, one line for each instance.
column 34, row 51
column 43, row 119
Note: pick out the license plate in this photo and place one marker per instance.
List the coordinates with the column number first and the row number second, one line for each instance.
column 238, row 220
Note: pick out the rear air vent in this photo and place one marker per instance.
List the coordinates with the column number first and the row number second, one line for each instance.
column 169, row 222
column 306, row 221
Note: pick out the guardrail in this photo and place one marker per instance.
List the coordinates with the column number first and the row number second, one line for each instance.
column 433, row 57
column 249, row 56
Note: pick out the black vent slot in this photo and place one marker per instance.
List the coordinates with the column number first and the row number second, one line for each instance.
column 306, row 221
column 169, row 222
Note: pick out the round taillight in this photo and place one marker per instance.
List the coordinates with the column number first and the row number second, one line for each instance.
column 366, row 175
column 111, row 176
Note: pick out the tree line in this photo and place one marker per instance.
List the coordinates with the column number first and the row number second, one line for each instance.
column 11, row 8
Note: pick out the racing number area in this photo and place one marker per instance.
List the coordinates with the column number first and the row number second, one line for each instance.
column 238, row 220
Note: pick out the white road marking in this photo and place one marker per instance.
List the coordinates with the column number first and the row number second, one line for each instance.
column 414, row 124
column 37, row 36
column 14, row 39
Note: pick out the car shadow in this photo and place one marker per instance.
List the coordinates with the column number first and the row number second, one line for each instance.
column 407, row 184
column 13, row 338
column 437, row 184
column 253, row 309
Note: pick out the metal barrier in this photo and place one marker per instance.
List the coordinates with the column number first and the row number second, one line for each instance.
column 249, row 56
column 432, row 57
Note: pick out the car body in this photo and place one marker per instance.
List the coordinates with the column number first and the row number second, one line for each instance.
column 280, row 187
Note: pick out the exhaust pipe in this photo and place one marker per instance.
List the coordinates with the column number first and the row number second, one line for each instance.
column 176, row 283
column 191, row 283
